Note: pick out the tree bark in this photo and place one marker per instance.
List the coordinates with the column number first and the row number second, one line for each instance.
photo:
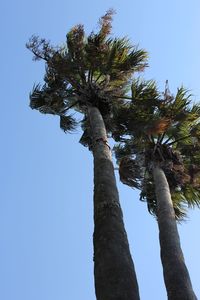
column 114, row 272
column 176, row 275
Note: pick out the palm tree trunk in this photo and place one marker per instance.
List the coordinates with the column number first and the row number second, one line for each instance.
column 114, row 273
column 176, row 275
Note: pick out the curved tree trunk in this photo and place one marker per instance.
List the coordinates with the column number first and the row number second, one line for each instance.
column 176, row 275
column 114, row 273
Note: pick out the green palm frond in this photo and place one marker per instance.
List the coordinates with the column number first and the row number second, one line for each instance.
column 46, row 101
column 177, row 107
column 135, row 116
column 118, row 52
column 37, row 99
column 191, row 195
column 124, row 57
column 182, row 99
column 180, row 206
column 179, row 134
column 195, row 131
column 195, row 110
column 144, row 90
column 135, row 61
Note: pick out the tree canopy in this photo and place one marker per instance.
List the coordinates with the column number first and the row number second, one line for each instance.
column 160, row 127
column 93, row 70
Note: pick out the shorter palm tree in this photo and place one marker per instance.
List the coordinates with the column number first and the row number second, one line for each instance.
column 158, row 153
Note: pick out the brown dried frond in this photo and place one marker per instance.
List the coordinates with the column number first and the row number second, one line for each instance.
column 177, row 175
column 106, row 23
column 77, row 36
column 40, row 47
column 194, row 172
column 129, row 172
column 178, row 168
column 158, row 126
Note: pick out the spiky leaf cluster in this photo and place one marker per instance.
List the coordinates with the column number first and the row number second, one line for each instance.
column 163, row 128
column 93, row 70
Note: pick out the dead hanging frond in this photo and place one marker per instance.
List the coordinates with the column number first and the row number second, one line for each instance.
column 130, row 172
column 68, row 123
column 86, row 139
column 194, row 172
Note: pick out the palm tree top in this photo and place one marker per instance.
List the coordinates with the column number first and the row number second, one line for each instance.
column 160, row 128
column 93, row 70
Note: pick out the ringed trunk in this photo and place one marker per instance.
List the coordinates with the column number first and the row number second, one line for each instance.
column 114, row 272
column 176, row 275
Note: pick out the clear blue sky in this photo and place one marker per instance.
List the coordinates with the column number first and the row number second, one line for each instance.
column 46, row 214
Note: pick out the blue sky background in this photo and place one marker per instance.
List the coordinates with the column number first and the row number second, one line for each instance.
column 46, row 214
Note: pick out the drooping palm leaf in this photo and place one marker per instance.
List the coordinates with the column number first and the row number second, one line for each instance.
column 37, row 99
column 130, row 172
column 67, row 123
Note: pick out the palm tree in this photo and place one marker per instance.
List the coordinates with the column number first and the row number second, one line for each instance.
column 90, row 75
column 158, row 151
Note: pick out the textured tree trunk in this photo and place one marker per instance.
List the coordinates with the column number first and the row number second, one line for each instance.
column 114, row 273
column 176, row 275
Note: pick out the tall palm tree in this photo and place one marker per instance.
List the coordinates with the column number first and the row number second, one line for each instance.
column 158, row 150
column 90, row 75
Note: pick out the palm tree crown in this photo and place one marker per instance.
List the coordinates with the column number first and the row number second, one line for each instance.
column 155, row 127
column 92, row 70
